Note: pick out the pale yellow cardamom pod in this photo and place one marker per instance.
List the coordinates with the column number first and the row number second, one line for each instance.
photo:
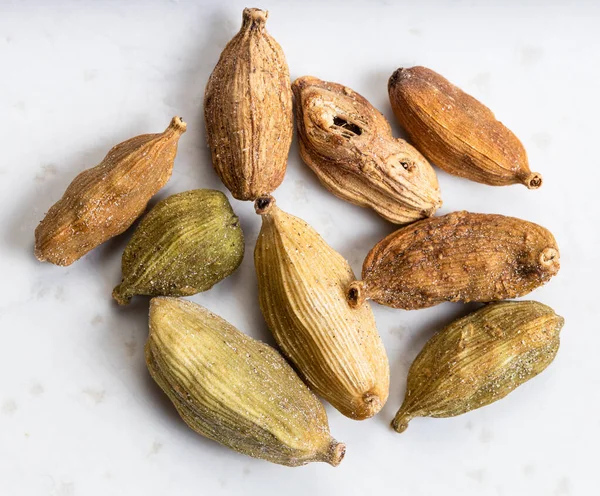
column 235, row 390
column 301, row 282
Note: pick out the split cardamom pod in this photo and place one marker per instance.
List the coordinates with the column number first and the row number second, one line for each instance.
column 104, row 201
column 461, row 256
column 186, row 244
column 248, row 111
column 457, row 132
column 235, row 390
column 349, row 145
column 479, row 359
column 301, row 281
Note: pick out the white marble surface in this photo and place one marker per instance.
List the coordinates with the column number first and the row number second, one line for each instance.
column 79, row 415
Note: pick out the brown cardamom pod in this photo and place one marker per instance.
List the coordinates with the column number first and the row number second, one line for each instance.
column 479, row 359
column 248, row 111
column 457, row 257
column 301, row 282
column 104, row 201
column 457, row 132
column 349, row 146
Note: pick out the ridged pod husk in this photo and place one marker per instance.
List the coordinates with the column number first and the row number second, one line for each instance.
column 248, row 111
column 235, row 390
column 457, row 132
column 479, row 359
column 104, row 201
column 301, row 283
column 186, row 244
column 349, row 146
column 461, row 256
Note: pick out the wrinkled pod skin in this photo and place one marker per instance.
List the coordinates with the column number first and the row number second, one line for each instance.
column 248, row 111
column 235, row 390
column 349, row 146
column 301, row 281
column 104, row 201
column 457, row 132
column 461, row 256
column 479, row 359
column 186, row 244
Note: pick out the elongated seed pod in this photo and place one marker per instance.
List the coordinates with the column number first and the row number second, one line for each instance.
column 235, row 390
column 301, row 283
column 104, row 201
column 248, row 111
column 186, row 244
column 457, row 132
column 457, row 257
column 479, row 359
column 349, row 146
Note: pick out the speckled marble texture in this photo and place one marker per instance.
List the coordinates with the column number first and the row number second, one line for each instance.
column 79, row 414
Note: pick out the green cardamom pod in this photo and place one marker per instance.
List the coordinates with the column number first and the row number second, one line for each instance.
column 235, row 390
column 479, row 359
column 186, row 244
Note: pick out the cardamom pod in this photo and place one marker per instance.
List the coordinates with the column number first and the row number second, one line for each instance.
column 479, row 359
column 248, row 111
column 105, row 200
column 301, row 283
column 457, row 257
column 349, row 145
column 457, row 132
column 235, row 390
column 186, row 244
